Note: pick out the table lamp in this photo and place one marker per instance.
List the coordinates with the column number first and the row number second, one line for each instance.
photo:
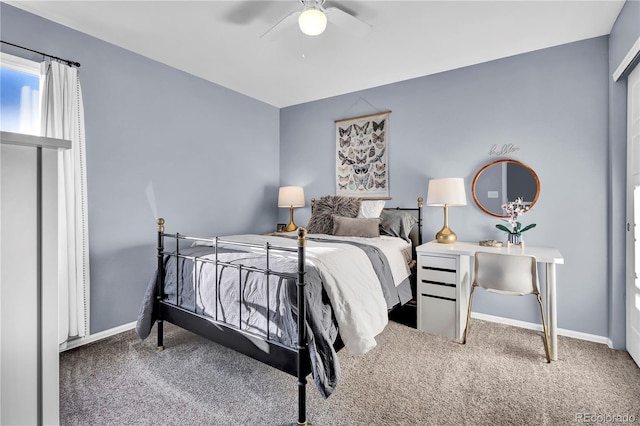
column 291, row 197
column 446, row 192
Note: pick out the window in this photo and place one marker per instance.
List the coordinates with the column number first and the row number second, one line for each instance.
column 19, row 95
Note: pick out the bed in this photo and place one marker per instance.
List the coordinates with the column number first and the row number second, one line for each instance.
column 290, row 300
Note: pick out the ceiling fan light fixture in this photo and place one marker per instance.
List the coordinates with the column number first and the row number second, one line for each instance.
column 312, row 22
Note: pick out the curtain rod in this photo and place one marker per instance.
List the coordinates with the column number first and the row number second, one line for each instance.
column 67, row 61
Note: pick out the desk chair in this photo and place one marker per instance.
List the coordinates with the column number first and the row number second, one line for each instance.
column 513, row 275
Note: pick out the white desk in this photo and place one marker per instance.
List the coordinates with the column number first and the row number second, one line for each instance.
column 547, row 255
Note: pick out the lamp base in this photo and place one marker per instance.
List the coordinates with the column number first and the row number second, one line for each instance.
column 446, row 236
column 291, row 227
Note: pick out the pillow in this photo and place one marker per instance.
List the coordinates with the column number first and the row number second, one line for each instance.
column 356, row 227
column 398, row 223
column 371, row 208
column 321, row 221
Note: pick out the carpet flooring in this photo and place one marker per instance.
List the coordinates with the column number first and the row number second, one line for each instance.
column 499, row 377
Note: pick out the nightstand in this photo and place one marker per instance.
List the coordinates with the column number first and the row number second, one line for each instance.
column 442, row 291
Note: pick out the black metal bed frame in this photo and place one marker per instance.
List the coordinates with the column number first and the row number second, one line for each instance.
column 294, row 361
column 418, row 211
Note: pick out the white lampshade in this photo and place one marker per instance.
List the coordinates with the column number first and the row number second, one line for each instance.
column 291, row 196
column 312, row 22
column 446, row 191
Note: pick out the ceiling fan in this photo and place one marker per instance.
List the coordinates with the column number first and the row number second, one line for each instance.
column 312, row 20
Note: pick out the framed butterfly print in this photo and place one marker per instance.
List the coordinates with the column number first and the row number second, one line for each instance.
column 361, row 156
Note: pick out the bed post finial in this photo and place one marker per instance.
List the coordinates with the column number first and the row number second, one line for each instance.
column 302, row 237
column 420, row 201
column 160, row 224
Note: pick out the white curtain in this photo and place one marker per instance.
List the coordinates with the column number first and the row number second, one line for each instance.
column 63, row 118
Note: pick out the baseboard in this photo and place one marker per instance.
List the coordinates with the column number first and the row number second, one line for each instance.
column 98, row 336
column 533, row 326
column 491, row 318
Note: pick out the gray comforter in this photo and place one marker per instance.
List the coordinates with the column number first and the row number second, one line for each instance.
column 186, row 285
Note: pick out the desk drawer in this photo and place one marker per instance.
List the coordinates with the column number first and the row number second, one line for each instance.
column 438, row 262
column 436, row 276
column 440, row 290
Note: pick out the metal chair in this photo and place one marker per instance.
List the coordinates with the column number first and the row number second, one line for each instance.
column 513, row 275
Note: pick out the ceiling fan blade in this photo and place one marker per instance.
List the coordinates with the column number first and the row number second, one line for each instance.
column 289, row 21
column 347, row 22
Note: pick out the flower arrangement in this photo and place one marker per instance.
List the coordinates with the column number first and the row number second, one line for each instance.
column 514, row 209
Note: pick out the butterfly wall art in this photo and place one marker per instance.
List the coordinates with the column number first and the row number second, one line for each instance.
column 361, row 156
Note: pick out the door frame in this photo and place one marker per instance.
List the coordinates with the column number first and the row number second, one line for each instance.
column 632, row 182
column 628, row 65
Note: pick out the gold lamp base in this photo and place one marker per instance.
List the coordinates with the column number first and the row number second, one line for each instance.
column 291, row 226
column 446, row 236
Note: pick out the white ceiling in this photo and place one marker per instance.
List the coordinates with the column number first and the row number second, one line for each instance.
column 220, row 40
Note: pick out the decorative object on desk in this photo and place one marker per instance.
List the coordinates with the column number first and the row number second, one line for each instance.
column 281, row 227
column 514, row 239
column 515, row 209
column 361, row 156
column 446, row 192
column 291, row 197
column 490, row 243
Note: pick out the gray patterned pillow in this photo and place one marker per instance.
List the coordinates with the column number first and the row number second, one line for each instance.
column 321, row 221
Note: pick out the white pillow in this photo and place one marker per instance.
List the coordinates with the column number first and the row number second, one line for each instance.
column 370, row 209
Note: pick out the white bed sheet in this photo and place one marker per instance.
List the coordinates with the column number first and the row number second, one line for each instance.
column 397, row 251
column 350, row 282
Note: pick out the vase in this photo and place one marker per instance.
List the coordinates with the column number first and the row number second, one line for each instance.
column 514, row 238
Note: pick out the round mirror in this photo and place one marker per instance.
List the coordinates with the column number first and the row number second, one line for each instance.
column 502, row 181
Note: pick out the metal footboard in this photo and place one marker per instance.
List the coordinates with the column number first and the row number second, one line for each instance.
column 294, row 361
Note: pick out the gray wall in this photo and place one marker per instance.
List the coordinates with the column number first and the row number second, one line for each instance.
column 623, row 35
column 551, row 104
column 210, row 155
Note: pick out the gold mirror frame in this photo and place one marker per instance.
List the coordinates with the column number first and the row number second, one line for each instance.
column 475, row 180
